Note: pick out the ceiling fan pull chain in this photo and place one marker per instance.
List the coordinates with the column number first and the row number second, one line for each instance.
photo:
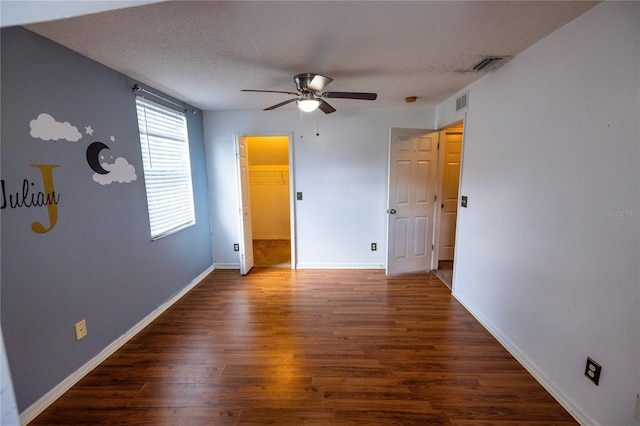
column 301, row 125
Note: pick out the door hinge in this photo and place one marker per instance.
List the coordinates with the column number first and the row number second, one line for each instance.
column 435, row 198
column 431, row 246
column 438, row 145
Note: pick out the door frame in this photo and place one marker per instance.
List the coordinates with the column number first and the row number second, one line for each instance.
column 292, row 204
column 439, row 190
column 244, row 211
column 437, row 216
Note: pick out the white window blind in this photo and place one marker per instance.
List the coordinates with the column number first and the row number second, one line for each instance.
column 167, row 168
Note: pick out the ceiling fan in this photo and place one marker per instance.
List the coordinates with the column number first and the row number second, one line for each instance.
column 309, row 95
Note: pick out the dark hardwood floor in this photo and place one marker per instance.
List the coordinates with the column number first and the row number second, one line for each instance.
column 445, row 272
column 272, row 253
column 311, row 347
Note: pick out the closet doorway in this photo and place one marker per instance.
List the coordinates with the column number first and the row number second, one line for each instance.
column 449, row 166
column 270, row 189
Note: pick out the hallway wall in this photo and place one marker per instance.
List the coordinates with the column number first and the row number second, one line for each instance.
column 548, row 248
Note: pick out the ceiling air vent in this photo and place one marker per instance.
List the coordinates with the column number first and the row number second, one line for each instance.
column 490, row 63
column 461, row 101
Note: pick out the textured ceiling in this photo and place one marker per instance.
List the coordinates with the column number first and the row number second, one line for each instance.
column 204, row 52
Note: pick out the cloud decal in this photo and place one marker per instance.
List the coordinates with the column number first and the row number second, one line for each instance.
column 120, row 171
column 45, row 127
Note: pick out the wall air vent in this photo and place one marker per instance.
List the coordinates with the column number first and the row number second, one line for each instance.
column 461, row 101
column 491, row 63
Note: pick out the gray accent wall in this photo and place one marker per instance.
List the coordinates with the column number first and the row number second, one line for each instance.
column 98, row 262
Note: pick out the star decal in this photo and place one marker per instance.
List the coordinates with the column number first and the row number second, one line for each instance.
column 112, row 138
column 88, row 130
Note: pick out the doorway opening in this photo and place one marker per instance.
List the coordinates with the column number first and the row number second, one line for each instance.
column 449, row 167
column 270, row 200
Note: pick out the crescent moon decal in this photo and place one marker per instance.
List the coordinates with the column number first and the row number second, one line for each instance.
column 93, row 157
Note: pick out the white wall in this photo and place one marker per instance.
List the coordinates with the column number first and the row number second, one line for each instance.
column 548, row 249
column 342, row 174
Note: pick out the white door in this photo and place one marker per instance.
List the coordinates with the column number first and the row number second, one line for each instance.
column 412, row 183
column 246, row 236
column 449, row 199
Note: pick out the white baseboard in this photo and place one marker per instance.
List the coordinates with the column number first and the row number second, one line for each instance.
column 340, row 266
column 40, row 405
column 314, row 266
column 227, row 266
column 574, row 409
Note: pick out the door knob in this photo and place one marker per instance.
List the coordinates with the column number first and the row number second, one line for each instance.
column 392, row 211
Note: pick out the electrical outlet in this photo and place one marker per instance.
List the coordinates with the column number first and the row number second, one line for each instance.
column 236, row 247
column 464, row 201
column 374, row 246
column 592, row 371
column 81, row 329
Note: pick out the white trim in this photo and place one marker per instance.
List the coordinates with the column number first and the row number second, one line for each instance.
column 315, row 266
column 340, row 266
column 293, row 220
column 227, row 266
column 245, row 222
column 50, row 397
column 465, row 127
column 437, row 212
column 292, row 191
column 574, row 410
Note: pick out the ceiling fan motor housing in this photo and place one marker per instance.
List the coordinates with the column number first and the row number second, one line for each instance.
column 309, row 82
column 306, row 95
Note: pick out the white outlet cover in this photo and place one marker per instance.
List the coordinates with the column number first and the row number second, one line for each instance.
column 81, row 329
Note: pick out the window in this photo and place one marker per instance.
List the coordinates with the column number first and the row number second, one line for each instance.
column 167, row 168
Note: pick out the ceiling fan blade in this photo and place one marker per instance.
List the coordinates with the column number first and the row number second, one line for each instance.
column 325, row 107
column 280, row 104
column 319, row 82
column 351, row 95
column 269, row 91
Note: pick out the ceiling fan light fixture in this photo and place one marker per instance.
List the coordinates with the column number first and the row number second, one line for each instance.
column 308, row 104
column 309, row 94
